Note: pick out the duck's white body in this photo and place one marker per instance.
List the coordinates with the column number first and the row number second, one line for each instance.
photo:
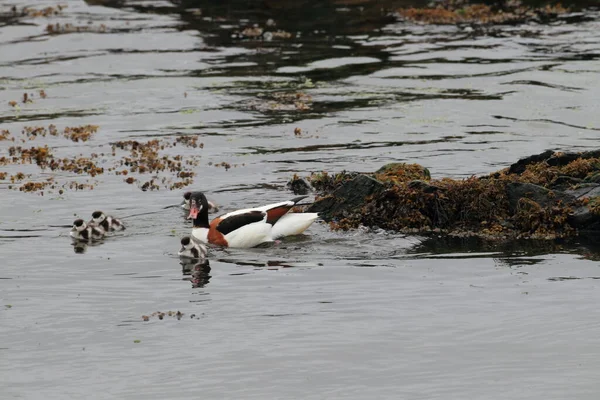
column 247, row 236
column 250, row 227
column 293, row 224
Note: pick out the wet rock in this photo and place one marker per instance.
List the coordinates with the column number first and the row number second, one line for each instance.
column 585, row 191
column 349, row 197
column 425, row 187
column 565, row 182
column 584, row 218
column 519, row 166
column 593, row 178
column 545, row 196
column 538, row 194
column 560, row 159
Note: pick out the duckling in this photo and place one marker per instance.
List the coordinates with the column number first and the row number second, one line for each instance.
column 83, row 231
column 106, row 222
column 191, row 249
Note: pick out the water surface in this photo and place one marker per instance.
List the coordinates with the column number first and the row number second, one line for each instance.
column 327, row 315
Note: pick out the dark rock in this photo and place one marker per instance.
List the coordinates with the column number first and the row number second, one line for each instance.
column 586, row 190
column 561, row 159
column 540, row 195
column 552, row 158
column 425, row 187
column 402, row 197
column 519, row 166
column 593, row 178
column 584, row 219
column 299, row 186
column 564, row 182
column 349, row 197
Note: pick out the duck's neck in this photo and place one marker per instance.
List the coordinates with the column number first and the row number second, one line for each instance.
column 201, row 220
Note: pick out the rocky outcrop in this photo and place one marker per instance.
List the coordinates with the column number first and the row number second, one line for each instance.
column 350, row 196
column 547, row 195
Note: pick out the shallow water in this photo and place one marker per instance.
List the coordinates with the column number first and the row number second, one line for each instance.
column 325, row 315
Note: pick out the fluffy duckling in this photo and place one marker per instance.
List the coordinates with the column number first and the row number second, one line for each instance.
column 87, row 232
column 106, row 222
column 191, row 249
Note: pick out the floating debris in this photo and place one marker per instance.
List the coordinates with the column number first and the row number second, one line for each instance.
column 224, row 164
column 257, row 32
column 161, row 315
column 44, row 12
column 468, row 12
column 34, row 186
column 55, row 29
column 189, row 140
column 82, row 133
column 142, row 157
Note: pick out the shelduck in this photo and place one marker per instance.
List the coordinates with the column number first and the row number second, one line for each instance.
column 106, row 222
column 186, row 202
column 84, row 232
column 248, row 227
column 192, row 249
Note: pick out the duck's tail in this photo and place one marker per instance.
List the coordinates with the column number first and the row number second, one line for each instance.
column 293, row 224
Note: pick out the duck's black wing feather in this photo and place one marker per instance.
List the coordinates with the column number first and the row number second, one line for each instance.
column 234, row 222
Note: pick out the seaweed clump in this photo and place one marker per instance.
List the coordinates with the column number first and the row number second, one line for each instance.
column 552, row 195
column 469, row 12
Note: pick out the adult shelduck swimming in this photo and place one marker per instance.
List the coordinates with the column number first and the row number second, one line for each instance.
column 186, row 202
column 84, row 232
column 106, row 222
column 248, row 227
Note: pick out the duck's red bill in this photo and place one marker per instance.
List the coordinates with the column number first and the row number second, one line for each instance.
column 193, row 212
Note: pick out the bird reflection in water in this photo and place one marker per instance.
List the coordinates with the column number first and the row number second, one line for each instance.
column 81, row 246
column 197, row 272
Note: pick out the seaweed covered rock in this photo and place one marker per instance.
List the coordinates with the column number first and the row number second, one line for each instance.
column 478, row 12
column 518, row 191
column 548, row 195
column 349, row 196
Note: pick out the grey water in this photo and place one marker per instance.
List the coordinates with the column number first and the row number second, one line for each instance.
column 353, row 315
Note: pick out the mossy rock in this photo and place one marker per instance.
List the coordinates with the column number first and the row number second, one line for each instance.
column 400, row 172
column 592, row 178
column 534, row 193
column 542, row 196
